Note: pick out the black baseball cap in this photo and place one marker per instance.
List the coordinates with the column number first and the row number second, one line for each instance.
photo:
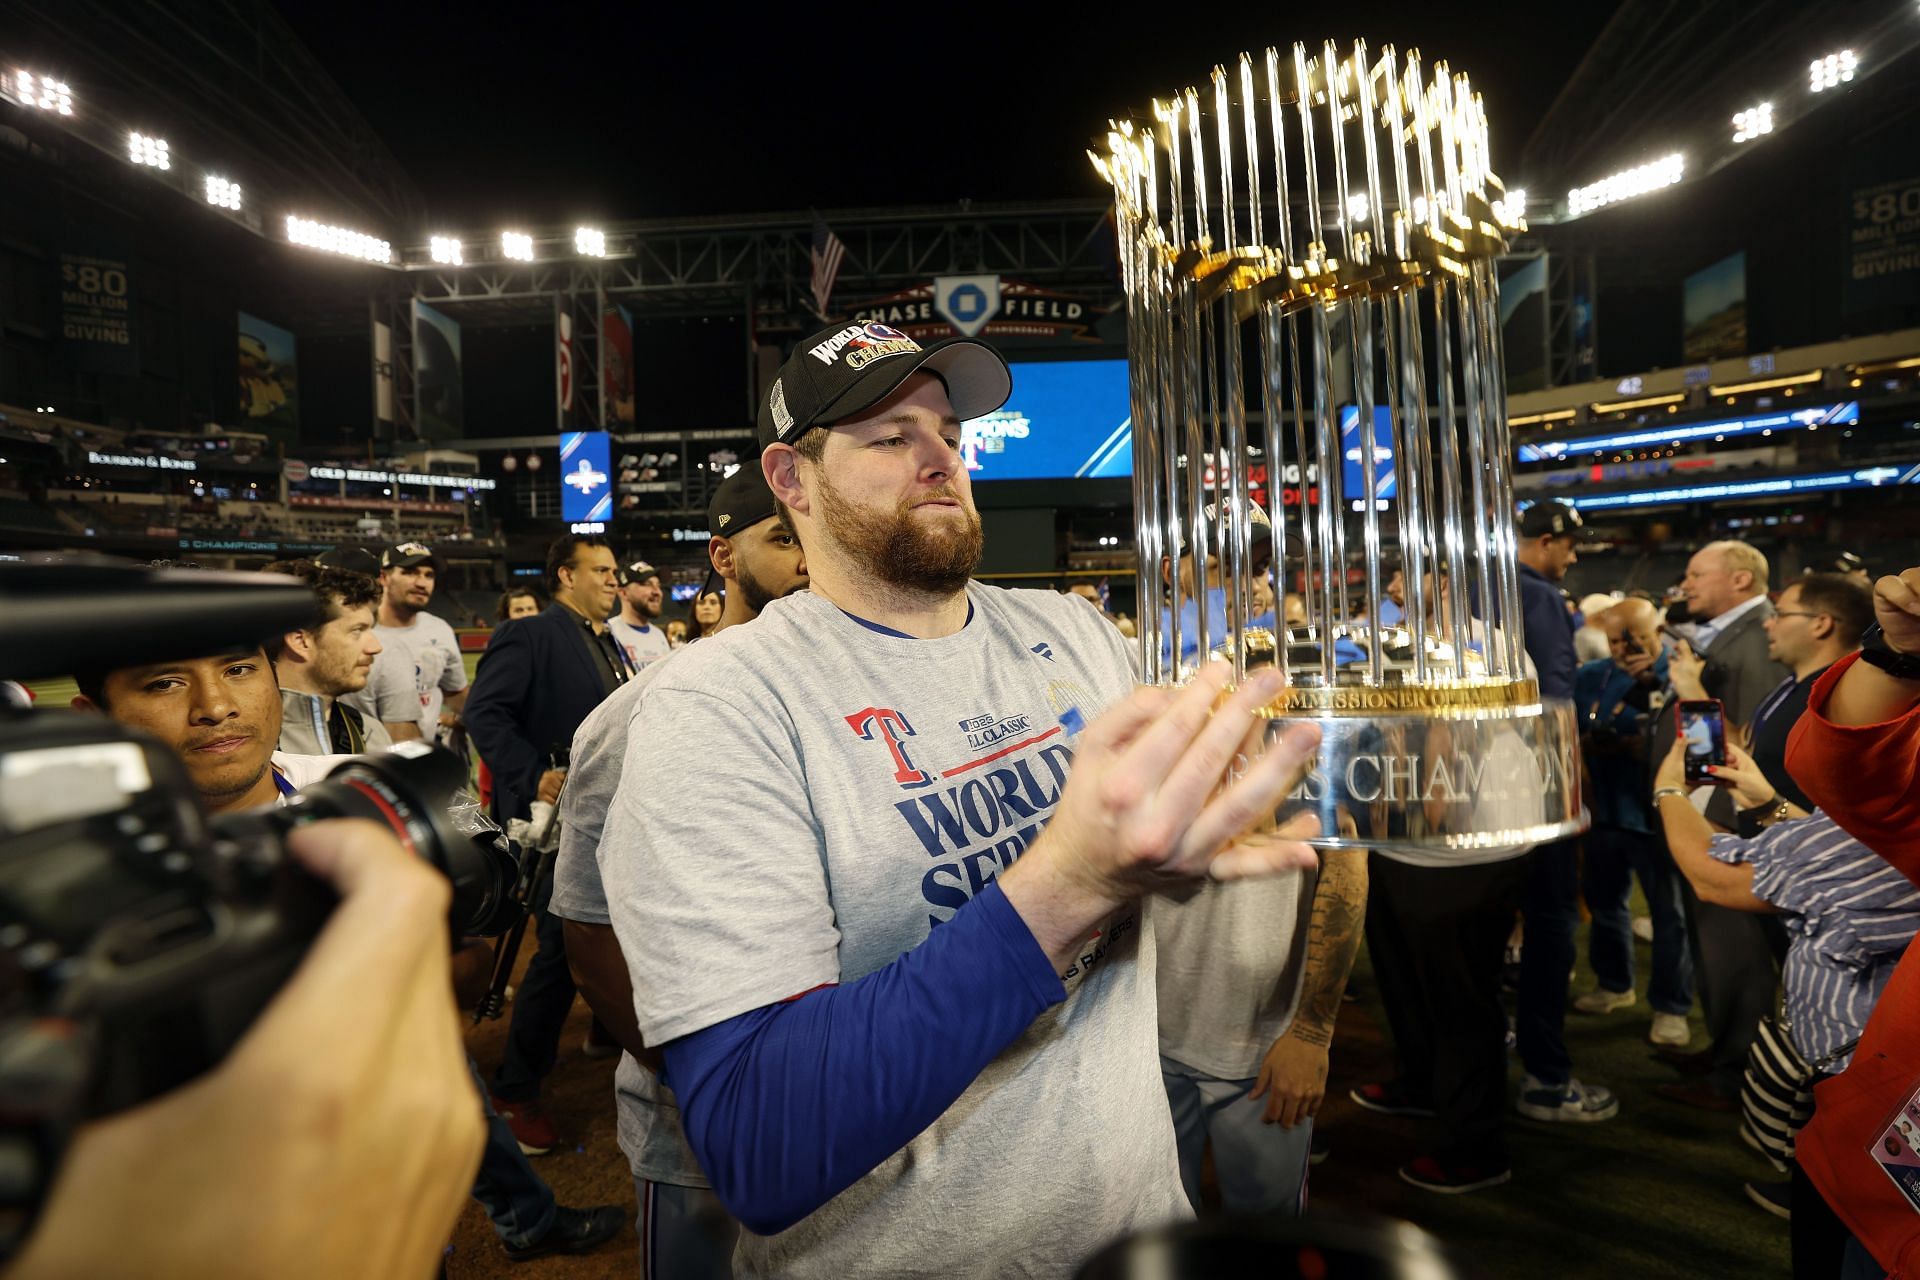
column 850, row 367
column 638, row 571
column 1549, row 519
column 405, row 555
column 351, row 558
column 742, row 501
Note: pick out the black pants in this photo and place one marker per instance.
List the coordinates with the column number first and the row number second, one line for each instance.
column 1551, row 907
column 1438, row 936
column 1737, row 957
column 540, row 1008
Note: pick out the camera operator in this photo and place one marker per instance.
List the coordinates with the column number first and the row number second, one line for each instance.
column 318, row 664
column 1856, row 752
column 220, row 715
column 290, row 1159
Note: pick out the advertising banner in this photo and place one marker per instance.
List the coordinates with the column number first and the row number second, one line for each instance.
column 616, row 365
column 586, row 489
column 1066, row 419
column 1000, row 309
column 439, row 401
column 269, row 380
column 96, row 314
column 1715, row 320
column 1883, row 244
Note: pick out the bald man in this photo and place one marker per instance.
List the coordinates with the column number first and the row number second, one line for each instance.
column 1618, row 699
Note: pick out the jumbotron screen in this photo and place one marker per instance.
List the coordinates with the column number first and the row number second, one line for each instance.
column 1066, row 419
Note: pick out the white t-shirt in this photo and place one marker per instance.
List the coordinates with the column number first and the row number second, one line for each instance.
column 642, row 645
column 647, row 1114
column 806, row 798
column 417, row 667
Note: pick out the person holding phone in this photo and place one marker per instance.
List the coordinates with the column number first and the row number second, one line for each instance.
column 1618, row 699
column 1736, row 954
column 1849, row 916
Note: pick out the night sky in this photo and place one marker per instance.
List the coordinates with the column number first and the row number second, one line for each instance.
column 596, row 111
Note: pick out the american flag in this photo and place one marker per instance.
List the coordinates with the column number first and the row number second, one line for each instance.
column 826, row 253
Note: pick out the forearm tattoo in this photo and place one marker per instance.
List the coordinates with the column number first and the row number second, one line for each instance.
column 1333, row 939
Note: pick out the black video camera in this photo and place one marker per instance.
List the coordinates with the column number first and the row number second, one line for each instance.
column 139, row 940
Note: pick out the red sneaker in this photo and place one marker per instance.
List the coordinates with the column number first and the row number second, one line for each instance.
column 532, row 1129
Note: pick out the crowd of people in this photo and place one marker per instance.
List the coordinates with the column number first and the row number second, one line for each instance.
column 893, row 890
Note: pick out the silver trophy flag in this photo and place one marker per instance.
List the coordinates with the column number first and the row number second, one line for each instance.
column 1307, row 246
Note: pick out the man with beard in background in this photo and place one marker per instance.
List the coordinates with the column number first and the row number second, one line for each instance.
column 635, row 628
column 893, row 955
column 419, row 681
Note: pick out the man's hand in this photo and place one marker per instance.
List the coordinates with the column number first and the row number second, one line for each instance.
column 348, row 1101
column 1684, row 667
column 549, row 790
column 1153, row 801
column 1896, row 606
column 1293, row 1077
column 1640, row 667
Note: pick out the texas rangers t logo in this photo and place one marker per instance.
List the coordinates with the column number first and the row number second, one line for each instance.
column 892, row 727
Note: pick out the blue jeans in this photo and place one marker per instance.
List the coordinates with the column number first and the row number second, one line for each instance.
column 517, row 1199
column 1551, row 908
column 1613, row 858
column 1262, row 1167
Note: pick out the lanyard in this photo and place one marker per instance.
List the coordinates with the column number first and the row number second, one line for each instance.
column 280, row 782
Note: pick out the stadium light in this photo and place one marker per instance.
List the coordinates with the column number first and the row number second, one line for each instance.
column 222, row 193
column 446, row 249
column 1653, row 176
column 348, row 244
column 41, row 93
column 517, row 246
column 1754, row 121
column 590, row 242
column 1358, row 209
column 145, row 150
column 1831, row 71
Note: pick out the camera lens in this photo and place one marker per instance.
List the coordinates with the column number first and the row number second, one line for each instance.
column 414, row 791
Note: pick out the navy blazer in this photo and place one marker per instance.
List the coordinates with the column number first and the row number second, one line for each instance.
column 535, row 684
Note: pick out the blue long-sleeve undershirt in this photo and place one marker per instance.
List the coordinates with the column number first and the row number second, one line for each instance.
column 788, row 1105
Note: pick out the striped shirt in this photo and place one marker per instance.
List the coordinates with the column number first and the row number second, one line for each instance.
column 1850, row 915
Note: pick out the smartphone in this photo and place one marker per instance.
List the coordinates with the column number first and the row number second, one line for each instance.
column 1702, row 725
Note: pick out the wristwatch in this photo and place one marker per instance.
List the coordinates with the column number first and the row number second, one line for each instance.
column 1875, row 649
column 1765, row 815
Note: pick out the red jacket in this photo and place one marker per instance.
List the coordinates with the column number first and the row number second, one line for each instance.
column 1867, row 779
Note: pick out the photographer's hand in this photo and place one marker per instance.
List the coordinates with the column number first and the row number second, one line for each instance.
column 339, row 1138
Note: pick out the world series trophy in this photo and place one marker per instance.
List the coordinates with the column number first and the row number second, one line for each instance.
column 1319, row 232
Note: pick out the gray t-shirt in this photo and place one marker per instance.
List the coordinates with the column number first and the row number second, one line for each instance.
column 648, row 1116
column 417, row 666
column 804, row 799
column 1230, row 959
column 641, row 647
